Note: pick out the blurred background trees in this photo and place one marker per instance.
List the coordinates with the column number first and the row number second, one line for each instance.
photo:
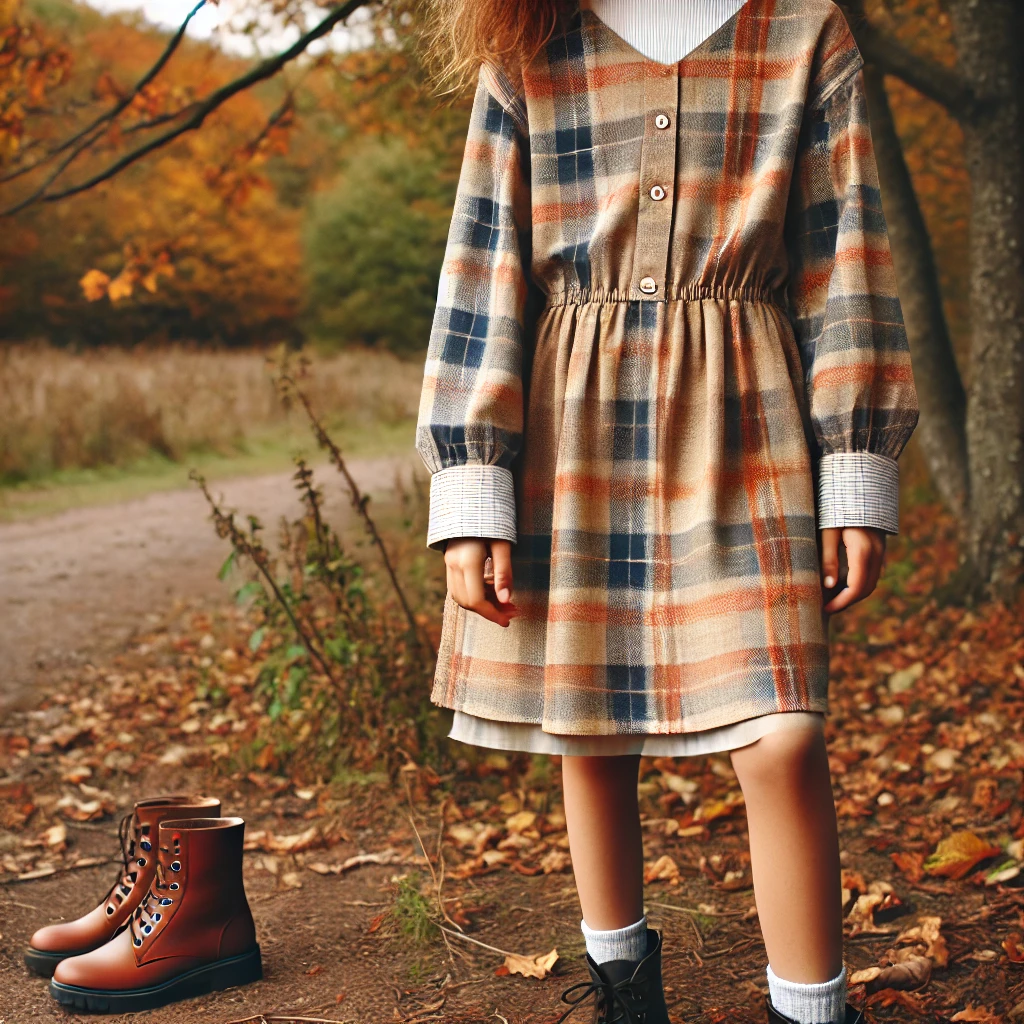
column 158, row 189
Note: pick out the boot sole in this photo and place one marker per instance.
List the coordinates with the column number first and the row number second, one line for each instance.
column 229, row 973
column 44, row 963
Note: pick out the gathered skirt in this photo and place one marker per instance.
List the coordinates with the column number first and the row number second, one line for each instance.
column 666, row 567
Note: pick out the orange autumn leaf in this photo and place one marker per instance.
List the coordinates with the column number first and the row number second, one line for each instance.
column 94, row 285
column 1014, row 952
column 977, row 1015
column 121, row 287
column 957, row 854
column 911, row 865
column 664, row 869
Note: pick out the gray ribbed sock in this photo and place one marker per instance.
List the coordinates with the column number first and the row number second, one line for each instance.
column 824, row 1003
column 629, row 943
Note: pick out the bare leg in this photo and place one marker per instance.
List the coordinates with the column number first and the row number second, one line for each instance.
column 794, row 851
column 603, row 820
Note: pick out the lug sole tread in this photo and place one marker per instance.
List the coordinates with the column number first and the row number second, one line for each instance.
column 43, row 962
column 200, row 981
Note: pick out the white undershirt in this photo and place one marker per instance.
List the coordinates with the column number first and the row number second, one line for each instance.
column 665, row 30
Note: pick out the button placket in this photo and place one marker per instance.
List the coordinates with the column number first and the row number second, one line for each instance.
column 657, row 181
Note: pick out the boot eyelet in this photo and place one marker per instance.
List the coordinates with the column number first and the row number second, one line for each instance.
column 147, row 928
column 141, row 861
column 175, row 865
column 156, row 917
column 174, row 885
column 137, row 942
column 146, row 845
column 165, row 902
column 110, row 910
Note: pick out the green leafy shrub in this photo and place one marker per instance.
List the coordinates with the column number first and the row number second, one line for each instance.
column 374, row 247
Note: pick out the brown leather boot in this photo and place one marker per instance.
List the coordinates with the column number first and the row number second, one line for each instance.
column 853, row 1016
column 138, row 831
column 192, row 934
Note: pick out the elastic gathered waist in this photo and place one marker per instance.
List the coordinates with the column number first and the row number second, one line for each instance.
column 684, row 293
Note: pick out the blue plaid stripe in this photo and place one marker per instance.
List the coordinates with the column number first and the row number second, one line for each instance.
column 655, row 459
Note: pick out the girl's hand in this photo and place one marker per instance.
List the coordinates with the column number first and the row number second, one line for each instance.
column 464, row 560
column 865, row 553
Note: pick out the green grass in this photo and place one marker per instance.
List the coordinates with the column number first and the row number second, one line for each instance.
column 411, row 912
column 273, row 452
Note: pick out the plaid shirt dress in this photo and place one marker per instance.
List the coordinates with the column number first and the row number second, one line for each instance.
column 667, row 349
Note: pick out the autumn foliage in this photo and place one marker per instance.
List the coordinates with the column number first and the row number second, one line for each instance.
column 195, row 243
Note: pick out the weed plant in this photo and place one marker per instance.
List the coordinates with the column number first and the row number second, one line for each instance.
column 345, row 662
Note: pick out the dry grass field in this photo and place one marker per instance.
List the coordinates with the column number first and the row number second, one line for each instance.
column 114, row 408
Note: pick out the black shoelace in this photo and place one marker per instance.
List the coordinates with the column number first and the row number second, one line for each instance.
column 625, row 1000
column 128, row 873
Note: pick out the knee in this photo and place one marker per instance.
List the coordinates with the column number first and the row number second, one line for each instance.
column 789, row 756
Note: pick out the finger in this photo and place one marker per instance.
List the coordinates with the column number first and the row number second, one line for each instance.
column 456, row 585
column 830, row 557
column 858, row 558
column 501, row 556
column 476, row 595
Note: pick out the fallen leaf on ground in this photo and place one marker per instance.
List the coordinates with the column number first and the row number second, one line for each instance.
column 520, row 821
column 1014, row 952
column 927, row 933
column 531, row 966
column 978, row 1015
column 554, row 861
column 84, row 810
column 911, row 973
column 957, row 854
column 389, row 856
column 861, row 916
column 294, row 843
column 664, row 869
column 911, row 865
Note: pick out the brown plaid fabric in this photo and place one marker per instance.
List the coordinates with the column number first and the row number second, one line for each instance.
column 667, row 312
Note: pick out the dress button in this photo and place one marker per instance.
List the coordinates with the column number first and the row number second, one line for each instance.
column 648, row 285
column 657, row 193
column 661, row 121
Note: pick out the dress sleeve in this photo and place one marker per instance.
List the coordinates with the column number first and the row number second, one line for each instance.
column 846, row 311
column 470, row 424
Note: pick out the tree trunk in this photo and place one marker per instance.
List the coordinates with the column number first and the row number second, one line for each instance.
column 941, row 395
column 988, row 47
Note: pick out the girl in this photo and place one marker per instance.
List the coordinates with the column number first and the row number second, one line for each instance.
column 666, row 388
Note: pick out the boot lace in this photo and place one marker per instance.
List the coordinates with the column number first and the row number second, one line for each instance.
column 128, row 834
column 152, row 909
column 622, row 1003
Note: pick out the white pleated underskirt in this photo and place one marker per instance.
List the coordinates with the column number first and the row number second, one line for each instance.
column 530, row 738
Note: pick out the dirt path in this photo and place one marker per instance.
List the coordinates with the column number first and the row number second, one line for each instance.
column 78, row 584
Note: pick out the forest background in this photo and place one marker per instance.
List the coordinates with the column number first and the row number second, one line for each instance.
column 203, row 256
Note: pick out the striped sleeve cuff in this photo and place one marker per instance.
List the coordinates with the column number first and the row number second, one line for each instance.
column 858, row 489
column 471, row 501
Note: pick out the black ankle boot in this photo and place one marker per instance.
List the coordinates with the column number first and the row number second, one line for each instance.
column 853, row 1016
column 625, row 992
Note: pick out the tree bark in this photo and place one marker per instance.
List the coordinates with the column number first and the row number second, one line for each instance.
column 988, row 36
column 941, row 395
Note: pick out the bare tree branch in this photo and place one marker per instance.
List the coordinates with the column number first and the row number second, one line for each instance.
column 264, row 70
column 945, row 85
column 89, row 133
